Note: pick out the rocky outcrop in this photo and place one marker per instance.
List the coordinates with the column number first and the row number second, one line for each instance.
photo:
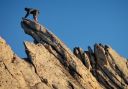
column 16, row 73
column 106, row 65
column 72, row 65
column 52, row 65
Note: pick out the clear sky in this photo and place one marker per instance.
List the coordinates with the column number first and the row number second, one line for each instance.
column 76, row 22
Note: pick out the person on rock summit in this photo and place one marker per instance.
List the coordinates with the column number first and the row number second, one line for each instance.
column 32, row 11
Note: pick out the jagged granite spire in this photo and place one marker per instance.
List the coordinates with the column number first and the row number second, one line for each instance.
column 56, row 47
column 52, row 65
column 108, row 67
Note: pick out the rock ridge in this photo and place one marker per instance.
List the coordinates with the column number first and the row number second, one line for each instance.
column 50, row 64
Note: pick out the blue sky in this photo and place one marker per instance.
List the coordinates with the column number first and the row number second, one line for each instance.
column 76, row 22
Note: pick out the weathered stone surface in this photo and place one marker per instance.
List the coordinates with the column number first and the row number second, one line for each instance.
column 49, row 69
column 83, row 57
column 16, row 73
column 113, row 65
column 107, row 66
column 57, row 48
column 52, row 65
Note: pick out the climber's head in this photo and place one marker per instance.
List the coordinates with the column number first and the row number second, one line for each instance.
column 30, row 26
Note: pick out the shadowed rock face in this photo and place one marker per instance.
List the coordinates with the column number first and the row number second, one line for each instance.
column 108, row 67
column 72, row 65
column 51, row 64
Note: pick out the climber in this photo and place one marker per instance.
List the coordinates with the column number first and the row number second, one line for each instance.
column 32, row 11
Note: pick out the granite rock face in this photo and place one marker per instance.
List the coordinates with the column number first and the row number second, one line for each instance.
column 108, row 67
column 52, row 65
column 16, row 73
column 72, row 65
